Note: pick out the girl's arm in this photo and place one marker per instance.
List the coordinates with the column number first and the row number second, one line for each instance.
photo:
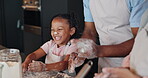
column 58, row 66
column 33, row 56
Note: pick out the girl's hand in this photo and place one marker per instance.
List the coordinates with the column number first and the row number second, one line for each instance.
column 116, row 73
column 36, row 66
column 25, row 66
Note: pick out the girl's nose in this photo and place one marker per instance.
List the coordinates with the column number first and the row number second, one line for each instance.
column 55, row 33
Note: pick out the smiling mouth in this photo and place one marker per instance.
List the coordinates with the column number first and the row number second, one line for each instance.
column 57, row 38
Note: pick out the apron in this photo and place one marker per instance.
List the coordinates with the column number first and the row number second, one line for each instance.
column 139, row 53
column 54, row 58
column 111, row 18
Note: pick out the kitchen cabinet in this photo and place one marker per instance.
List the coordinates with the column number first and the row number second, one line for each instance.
column 10, row 13
column 1, row 22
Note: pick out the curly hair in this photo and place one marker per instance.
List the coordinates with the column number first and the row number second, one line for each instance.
column 72, row 20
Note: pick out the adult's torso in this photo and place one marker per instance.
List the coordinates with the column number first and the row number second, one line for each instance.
column 111, row 18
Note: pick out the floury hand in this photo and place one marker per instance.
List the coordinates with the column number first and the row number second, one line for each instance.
column 86, row 48
column 37, row 66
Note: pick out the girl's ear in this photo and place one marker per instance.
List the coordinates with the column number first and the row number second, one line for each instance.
column 72, row 30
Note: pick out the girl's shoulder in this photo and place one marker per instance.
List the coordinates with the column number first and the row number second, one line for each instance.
column 51, row 42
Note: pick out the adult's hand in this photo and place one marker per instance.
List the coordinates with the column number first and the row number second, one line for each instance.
column 87, row 48
column 116, row 73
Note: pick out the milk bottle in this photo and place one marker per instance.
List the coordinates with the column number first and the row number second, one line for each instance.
column 11, row 63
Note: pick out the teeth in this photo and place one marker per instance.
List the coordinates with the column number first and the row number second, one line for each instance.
column 57, row 38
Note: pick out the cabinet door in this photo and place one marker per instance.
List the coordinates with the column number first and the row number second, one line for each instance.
column 13, row 21
column 1, row 22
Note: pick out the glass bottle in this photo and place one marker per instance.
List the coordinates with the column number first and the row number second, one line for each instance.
column 11, row 61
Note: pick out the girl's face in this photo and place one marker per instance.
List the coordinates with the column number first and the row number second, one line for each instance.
column 61, row 31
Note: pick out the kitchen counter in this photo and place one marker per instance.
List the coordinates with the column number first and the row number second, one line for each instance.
column 45, row 74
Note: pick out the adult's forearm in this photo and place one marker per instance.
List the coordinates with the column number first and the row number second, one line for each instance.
column 118, row 50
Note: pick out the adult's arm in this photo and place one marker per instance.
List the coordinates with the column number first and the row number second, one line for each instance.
column 90, row 31
column 139, row 7
column 117, row 50
column 89, row 27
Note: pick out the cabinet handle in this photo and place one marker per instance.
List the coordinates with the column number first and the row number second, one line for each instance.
column 18, row 24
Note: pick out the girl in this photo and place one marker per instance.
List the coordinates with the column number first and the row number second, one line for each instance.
column 57, row 50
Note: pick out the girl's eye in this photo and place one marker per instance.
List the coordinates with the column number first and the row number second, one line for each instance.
column 60, row 29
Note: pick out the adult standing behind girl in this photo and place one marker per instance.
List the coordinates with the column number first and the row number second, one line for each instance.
column 135, row 64
column 57, row 50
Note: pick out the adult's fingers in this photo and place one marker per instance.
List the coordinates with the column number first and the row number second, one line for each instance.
column 98, row 75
